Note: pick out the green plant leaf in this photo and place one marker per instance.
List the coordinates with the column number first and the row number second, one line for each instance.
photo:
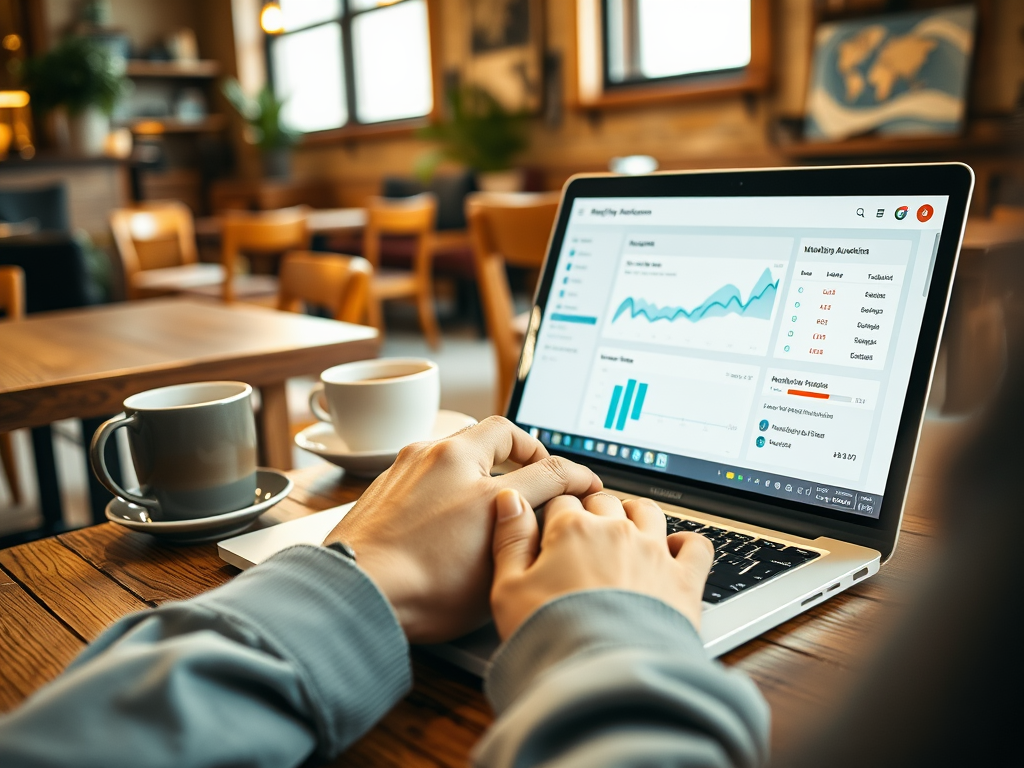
column 76, row 74
column 478, row 132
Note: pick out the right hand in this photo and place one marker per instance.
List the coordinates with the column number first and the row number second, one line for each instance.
column 599, row 542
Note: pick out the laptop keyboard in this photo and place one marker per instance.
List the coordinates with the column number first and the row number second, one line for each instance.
column 741, row 560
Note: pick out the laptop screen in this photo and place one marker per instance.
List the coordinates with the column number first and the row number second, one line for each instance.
column 760, row 342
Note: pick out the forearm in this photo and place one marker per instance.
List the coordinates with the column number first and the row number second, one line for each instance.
column 609, row 678
column 299, row 655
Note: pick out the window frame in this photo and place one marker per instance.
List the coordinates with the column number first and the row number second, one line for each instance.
column 353, row 128
column 595, row 90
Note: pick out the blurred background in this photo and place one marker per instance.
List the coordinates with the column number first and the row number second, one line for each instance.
column 189, row 112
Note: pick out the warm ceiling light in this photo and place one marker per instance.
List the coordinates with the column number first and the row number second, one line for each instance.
column 13, row 99
column 271, row 19
column 12, row 42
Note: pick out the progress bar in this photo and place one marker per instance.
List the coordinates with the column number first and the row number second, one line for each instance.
column 819, row 395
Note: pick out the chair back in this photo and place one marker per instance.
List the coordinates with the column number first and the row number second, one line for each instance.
column 267, row 232
column 510, row 229
column 12, row 293
column 409, row 216
column 153, row 235
column 340, row 284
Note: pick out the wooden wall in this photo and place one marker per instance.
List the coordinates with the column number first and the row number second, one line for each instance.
column 715, row 132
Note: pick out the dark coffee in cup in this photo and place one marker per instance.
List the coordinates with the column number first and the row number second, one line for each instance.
column 193, row 447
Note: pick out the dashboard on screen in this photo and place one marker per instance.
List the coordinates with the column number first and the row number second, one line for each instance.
column 756, row 342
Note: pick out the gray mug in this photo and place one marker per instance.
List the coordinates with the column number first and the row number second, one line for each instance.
column 193, row 447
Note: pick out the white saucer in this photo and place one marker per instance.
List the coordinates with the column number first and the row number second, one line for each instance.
column 322, row 440
column 271, row 487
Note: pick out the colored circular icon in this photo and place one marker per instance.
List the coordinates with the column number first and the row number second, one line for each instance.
column 763, row 426
column 901, row 213
column 924, row 213
column 787, row 348
column 760, row 442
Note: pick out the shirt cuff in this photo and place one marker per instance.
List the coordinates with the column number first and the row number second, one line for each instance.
column 583, row 623
column 318, row 610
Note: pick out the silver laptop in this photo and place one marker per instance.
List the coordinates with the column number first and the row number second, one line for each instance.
column 753, row 350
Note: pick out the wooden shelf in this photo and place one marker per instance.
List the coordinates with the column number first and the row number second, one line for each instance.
column 179, row 69
column 155, row 126
column 982, row 138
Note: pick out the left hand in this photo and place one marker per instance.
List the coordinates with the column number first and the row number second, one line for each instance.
column 423, row 529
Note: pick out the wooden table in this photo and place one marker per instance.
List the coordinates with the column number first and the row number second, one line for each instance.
column 58, row 594
column 85, row 362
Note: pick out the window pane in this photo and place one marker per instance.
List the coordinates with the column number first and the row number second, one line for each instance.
column 308, row 74
column 362, row 5
column 391, row 49
column 680, row 37
column 304, row 13
column 666, row 38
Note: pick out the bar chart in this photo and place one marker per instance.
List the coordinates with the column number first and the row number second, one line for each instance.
column 668, row 402
column 616, row 418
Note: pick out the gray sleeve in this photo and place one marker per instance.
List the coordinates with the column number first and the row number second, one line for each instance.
column 301, row 654
column 613, row 678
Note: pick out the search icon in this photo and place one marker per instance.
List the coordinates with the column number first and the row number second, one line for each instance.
column 860, row 212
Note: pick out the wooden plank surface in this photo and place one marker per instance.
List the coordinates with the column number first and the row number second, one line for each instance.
column 57, row 592
column 84, row 362
column 35, row 645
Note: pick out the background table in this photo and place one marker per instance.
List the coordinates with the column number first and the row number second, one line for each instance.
column 82, row 363
column 59, row 593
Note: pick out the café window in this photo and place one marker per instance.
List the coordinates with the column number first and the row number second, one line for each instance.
column 636, row 50
column 659, row 39
column 351, row 62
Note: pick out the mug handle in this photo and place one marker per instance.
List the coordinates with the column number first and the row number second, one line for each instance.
column 314, row 403
column 96, row 451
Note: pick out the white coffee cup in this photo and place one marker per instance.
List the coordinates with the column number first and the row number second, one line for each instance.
column 379, row 405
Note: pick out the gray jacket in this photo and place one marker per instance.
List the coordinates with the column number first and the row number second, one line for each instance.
column 303, row 654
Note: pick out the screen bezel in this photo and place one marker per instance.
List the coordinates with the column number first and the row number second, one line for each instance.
column 954, row 180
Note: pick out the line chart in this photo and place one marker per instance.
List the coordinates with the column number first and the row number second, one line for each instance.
column 713, row 303
column 726, row 300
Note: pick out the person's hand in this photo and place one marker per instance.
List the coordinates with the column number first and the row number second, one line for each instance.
column 423, row 530
column 598, row 543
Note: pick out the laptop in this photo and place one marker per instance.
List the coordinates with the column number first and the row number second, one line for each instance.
column 753, row 349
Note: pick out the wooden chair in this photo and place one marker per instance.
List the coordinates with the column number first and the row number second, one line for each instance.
column 340, row 284
column 263, row 232
column 414, row 217
column 157, row 244
column 12, row 303
column 506, row 230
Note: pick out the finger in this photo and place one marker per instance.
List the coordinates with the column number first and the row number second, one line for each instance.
column 604, row 505
column 496, row 439
column 558, row 506
column 646, row 515
column 516, row 536
column 692, row 549
column 552, row 476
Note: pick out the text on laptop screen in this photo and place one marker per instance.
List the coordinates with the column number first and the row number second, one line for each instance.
column 757, row 342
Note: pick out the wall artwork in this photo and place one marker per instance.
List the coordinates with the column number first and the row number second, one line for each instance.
column 506, row 50
column 896, row 75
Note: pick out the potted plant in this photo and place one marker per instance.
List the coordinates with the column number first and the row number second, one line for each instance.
column 264, row 127
column 81, row 81
column 480, row 134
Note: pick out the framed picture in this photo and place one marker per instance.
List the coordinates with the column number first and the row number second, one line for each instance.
column 506, row 51
column 895, row 75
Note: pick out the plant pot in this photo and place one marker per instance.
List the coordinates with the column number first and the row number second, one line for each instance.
column 512, row 180
column 277, row 163
column 87, row 132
